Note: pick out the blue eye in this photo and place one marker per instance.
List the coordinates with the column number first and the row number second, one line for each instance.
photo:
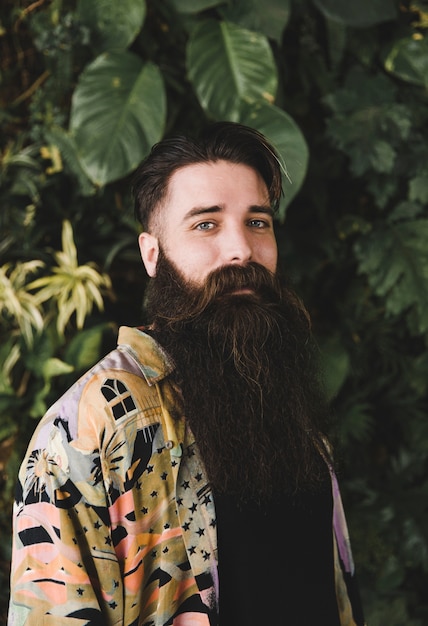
column 258, row 223
column 205, row 226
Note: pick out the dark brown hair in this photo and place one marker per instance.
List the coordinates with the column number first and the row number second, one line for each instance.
column 226, row 141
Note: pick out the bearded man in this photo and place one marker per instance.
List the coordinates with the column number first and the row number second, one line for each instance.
column 187, row 478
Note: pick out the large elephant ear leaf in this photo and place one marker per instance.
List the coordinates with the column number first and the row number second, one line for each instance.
column 228, row 65
column 194, row 6
column 118, row 112
column 114, row 25
column 358, row 14
column 268, row 17
column 408, row 59
column 288, row 140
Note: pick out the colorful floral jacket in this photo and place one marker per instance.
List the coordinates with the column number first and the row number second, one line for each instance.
column 114, row 520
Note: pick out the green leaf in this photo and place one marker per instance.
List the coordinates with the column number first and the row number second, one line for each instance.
column 418, row 189
column 38, row 406
column 395, row 260
column 115, row 23
column 335, row 365
column 288, row 140
column 55, row 367
column 85, row 348
column 408, row 59
column 369, row 124
column 42, row 351
column 405, row 210
column 58, row 137
column 356, row 420
column 228, row 65
column 362, row 13
column 382, row 157
column 194, row 6
column 118, row 112
column 269, row 17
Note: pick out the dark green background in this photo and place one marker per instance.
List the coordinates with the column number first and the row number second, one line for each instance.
column 341, row 89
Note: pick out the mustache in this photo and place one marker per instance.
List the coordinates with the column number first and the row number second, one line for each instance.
column 222, row 283
column 251, row 274
column 229, row 279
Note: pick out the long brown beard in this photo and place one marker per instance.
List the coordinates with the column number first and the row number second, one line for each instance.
column 248, row 377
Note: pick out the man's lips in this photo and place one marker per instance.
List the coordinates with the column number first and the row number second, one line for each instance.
column 242, row 291
column 238, row 290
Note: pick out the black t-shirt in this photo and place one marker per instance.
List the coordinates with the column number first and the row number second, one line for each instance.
column 276, row 561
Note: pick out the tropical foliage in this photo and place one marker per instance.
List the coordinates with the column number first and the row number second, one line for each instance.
column 341, row 89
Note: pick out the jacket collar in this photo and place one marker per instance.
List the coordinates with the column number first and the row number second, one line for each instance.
column 154, row 362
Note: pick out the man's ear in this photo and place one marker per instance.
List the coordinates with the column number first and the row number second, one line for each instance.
column 149, row 249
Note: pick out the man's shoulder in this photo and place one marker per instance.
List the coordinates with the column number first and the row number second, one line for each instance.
column 121, row 387
column 149, row 356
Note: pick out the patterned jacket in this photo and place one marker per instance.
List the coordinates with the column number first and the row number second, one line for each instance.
column 114, row 521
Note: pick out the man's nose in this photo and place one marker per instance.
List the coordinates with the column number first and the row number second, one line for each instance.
column 237, row 247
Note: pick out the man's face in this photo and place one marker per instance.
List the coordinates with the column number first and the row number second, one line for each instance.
column 215, row 214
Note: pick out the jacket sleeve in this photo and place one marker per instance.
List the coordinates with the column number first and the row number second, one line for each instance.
column 347, row 592
column 64, row 567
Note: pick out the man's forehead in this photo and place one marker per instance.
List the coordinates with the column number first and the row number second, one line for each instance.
column 194, row 176
column 209, row 168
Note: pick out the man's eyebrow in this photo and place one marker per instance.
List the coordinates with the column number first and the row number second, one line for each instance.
column 197, row 211
column 260, row 208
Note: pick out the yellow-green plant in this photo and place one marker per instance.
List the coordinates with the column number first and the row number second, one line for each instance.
column 74, row 288
column 20, row 309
